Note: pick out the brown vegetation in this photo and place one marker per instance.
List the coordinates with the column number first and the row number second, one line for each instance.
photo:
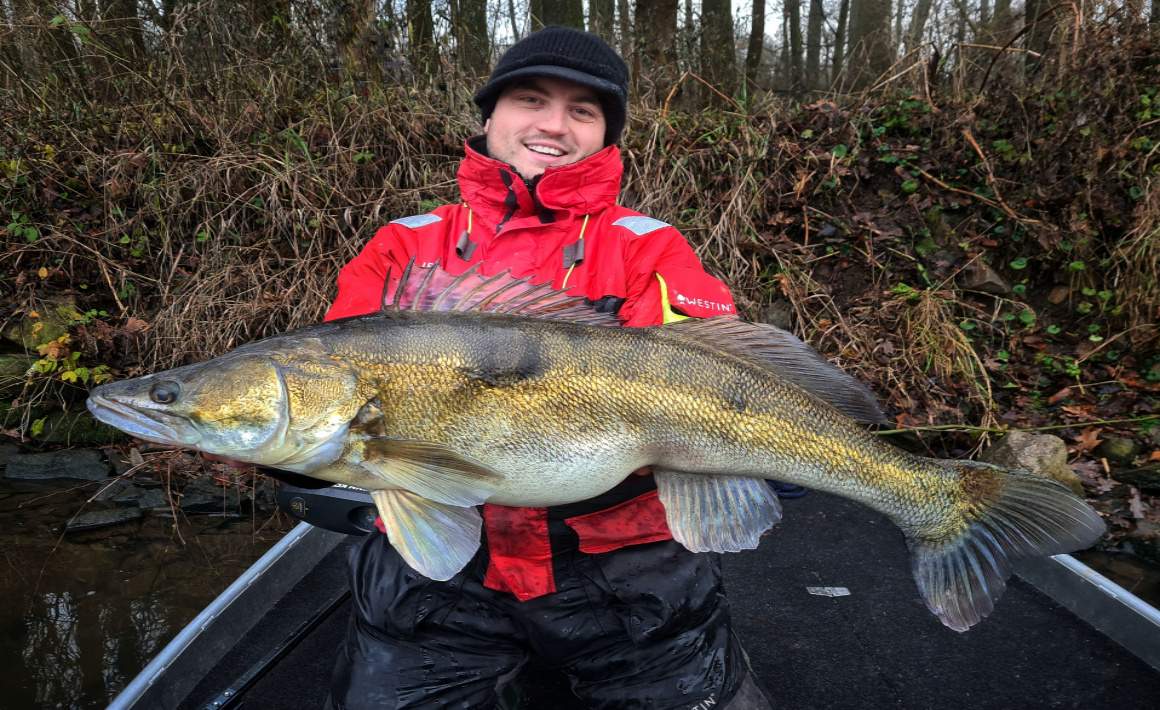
column 979, row 244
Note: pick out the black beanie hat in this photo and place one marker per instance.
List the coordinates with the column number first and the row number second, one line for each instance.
column 565, row 53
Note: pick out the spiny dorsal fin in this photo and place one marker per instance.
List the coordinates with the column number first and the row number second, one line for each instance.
column 789, row 357
column 433, row 289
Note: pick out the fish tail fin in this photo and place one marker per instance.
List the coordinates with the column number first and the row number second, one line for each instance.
column 1006, row 515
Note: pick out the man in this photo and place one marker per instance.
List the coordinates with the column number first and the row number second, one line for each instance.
column 598, row 589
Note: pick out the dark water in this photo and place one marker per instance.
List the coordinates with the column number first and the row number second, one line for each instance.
column 81, row 614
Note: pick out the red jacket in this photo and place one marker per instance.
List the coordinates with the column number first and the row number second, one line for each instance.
column 569, row 230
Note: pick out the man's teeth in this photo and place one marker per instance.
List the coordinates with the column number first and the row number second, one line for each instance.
column 545, row 150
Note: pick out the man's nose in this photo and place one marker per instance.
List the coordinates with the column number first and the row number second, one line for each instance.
column 553, row 120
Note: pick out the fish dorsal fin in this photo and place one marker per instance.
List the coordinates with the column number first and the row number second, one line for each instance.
column 786, row 355
column 709, row 513
column 433, row 289
column 435, row 539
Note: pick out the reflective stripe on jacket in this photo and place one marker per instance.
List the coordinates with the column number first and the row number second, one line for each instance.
column 565, row 228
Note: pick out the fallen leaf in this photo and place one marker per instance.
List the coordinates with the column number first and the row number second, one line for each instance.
column 42, row 272
column 135, row 325
column 1087, row 440
column 1154, row 456
column 1059, row 396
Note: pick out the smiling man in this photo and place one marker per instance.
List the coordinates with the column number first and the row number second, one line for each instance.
column 598, row 589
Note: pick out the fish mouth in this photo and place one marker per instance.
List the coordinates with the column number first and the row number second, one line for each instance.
column 147, row 424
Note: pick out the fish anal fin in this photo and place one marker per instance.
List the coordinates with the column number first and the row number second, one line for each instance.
column 430, row 470
column 436, row 540
column 708, row 513
column 792, row 359
column 430, row 288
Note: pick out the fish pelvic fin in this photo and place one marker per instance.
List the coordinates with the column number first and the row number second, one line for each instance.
column 436, row 540
column 430, row 288
column 1009, row 515
column 709, row 513
column 788, row 357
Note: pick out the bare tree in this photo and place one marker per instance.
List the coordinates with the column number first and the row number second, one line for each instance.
column 352, row 39
column 421, row 37
column 601, row 18
column 718, row 65
column 814, row 44
column 44, row 46
column 793, row 20
column 654, row 59
column 511, row 8
column 568, row 13
column 469, row 22
column 122, row 31
column 870, row 47
column 756, row 44
column 840, row 39
column 625, row 22
column 917, row 26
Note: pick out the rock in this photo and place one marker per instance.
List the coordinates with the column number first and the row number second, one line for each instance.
column 1119, row 449
column 71, row 464
column 7, row 451
column 1043, row 454
column 1147, row 479
column 102, row 519
column 144, row 498
column 979, row 276
column 779, row 313
column 1058, row 295
column 53, row 318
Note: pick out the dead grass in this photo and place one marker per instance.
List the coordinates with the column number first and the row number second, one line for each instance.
column 217, row 205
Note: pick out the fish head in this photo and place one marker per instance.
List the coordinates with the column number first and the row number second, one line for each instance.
column 289, row 410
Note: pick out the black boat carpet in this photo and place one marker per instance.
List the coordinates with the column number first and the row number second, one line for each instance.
column 878, row 647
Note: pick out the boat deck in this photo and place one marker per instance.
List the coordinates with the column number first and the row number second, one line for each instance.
column 878, row 647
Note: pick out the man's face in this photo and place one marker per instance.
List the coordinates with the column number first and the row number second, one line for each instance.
column 541, row 122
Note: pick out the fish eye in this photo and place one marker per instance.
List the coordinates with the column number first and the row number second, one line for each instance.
column 164, row 392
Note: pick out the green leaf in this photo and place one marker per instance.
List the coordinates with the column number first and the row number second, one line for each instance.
column 1019, row 263
column 1027, row 317
column 966, row 325
column 840, row 151
column 910, row 186
column 1020, row 289
column 1077, row 266
column 37, row 427
column 808, row 133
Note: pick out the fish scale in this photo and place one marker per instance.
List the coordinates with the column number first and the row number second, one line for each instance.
column 518, row 395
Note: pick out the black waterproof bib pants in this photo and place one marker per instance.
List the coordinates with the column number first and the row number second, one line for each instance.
column 645, row 626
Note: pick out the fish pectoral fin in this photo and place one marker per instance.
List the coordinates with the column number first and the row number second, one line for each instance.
column 430, row 470
column 708, row 513
column 436, row 540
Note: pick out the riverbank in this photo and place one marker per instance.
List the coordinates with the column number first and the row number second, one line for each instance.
column 104, row 564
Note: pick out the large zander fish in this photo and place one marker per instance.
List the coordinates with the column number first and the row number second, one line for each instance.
column 471, row 389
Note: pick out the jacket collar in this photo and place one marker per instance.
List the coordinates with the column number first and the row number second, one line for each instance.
column 497, row 194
